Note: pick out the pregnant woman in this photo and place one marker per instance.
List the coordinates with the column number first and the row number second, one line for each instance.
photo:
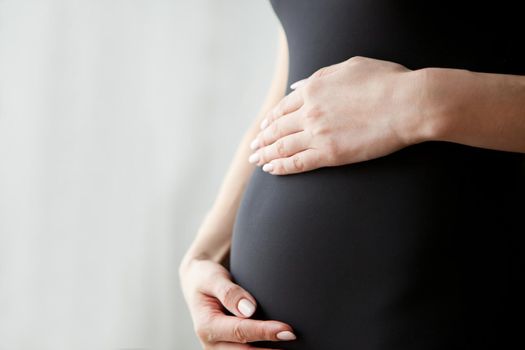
column 385, row 210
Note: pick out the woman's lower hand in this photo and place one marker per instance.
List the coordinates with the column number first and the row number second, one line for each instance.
column 208, row 289
column 356, row 110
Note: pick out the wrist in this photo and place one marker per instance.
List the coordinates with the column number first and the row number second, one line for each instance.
column 431, row 104
column 187, row 260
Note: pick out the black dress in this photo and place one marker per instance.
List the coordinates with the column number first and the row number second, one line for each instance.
column 417, row 250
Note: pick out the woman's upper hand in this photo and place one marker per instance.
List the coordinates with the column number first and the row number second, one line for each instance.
column 208, row 290
column 356, row 110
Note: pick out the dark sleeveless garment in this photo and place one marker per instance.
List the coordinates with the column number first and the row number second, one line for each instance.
column 422, row 249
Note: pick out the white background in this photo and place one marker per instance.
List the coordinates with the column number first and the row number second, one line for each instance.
column 118, row 120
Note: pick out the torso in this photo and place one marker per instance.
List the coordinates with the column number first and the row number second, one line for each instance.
column 420, row 249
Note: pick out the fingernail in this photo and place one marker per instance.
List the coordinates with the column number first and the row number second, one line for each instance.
column 254, row 158
column 264, row 123
column 246, row 307
column 286, row 335
column 297, row 84
column 255, row 144
column 267, row 167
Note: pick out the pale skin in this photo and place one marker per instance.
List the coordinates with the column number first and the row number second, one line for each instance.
column 364, row 108
column 352, row 111
column 204, row 277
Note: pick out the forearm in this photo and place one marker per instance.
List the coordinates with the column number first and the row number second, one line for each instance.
column 484, row 110
column 213, row 238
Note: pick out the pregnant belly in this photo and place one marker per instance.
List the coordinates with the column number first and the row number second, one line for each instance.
column 414, row 250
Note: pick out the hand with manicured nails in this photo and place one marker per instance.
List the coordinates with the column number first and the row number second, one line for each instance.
column 208, row 289
column 356, row 110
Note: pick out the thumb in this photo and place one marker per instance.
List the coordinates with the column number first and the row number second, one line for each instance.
column 233, row 297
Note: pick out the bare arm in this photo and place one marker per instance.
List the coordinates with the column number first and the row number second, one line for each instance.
column 479, row 109
column 213, row 238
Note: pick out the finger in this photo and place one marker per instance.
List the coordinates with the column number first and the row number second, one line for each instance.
column 283, row 147
column 288, row 104
column 324, row 71
column 298, row 83
column 232, row 296
column 213, row 326
column 279, row 128
column 243, row 330
column 321, row 72
column 306, row 160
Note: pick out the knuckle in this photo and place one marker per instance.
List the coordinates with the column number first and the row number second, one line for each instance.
column 356, row 59
column 263, row 155
column 298, row 163
column 274, row 128
column 319, row 130
column 277, row 111
column 313, row 112
column 312, row 88
column 263, row 331
column 269, row 115
column 271, row 132
column 332, row 149
column 229, row 292
column 201, row 331
column 320, row 159
column 239, row 332
column 264, row 138
column 280, row 148
column 202, row 326
column 320, row 72
column 268, row 333
column 278, row 167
